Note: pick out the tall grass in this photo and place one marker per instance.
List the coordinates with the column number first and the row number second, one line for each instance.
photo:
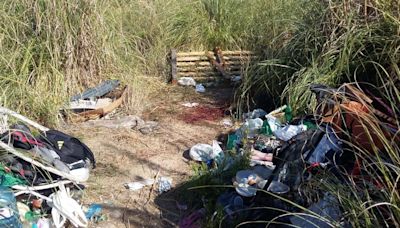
column 332, row 42
column 52, row 49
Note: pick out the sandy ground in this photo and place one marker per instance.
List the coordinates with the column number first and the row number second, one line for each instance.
column 127, row 155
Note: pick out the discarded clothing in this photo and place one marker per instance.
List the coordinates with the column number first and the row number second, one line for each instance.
column 327, row 209
column 328, row 143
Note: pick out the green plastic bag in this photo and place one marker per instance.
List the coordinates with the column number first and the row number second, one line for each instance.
column 266, row 129
column 9, row 179
column 288, row 114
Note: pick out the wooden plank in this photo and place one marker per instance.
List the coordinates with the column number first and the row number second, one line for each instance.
column 208, row 79
column 195, row 53
column 192, row 58
column 240, row 57
column 200, row 53
column 97, row 113
column 173, row 65
column 208, row 68
column 199, row 63
column 238, row 53
column 205, row 58
column 201, row 74
column 198, row 74
column 207, row 63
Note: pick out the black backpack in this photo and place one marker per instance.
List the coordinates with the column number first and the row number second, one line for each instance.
column 69, row 149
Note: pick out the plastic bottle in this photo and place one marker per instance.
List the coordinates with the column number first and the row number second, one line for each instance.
column 266, row 129
column 9, row 216
column 288, row 114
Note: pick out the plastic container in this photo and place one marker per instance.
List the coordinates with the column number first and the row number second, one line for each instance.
column 252, row 127
column 278, row 188
column 9, row 216
column 266, row 129
column 288, row 114
column 232, row 141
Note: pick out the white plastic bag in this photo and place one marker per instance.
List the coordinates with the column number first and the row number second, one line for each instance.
column 201, row 152
column 200, row 88
column 288, row 132
column 186, row 81
column 252, row 126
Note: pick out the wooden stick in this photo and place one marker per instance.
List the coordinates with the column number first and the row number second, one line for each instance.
column 173, row 65
column 22, row 118
column 152, row 186
column 97, row 113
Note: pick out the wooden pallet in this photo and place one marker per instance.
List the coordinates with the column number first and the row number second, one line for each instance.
column 206, row 66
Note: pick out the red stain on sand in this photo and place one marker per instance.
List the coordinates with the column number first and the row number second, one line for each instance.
column 201, row 113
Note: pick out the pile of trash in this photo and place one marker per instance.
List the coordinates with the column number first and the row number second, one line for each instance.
column 96, row 107
column 43, row 172
column 96, row 102
column 284, row 154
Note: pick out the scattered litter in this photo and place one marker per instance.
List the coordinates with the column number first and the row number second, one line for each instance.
column 256, row 113
column 276, row 111
column 328, row 144
column 227, row 123
column 190, row 105
column 263, row 163
column 288, row 132
column 137, row 185
column 327, row 208
column 43, row 223
column 230, row 202
column 285, row 153
column 186, row 81
column 65, row 208
column 164, row 184
column 201, row 152
column 250, row 128
column 96, row 102
column 278, row 188
column 128, row 122
column 97, row 91
column 206, row 153
column 236, row 78
column 245, row 181
column 94, row 211
column 9, row 216
column 61, row 165
column 200, row 88
column 148, row 127
column 89, row 104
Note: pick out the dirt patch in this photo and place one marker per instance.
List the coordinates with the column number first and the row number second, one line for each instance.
column 202, row 113
column 128, row 155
